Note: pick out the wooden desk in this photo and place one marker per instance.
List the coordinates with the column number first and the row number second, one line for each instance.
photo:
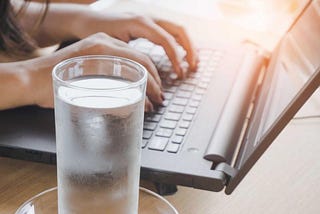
column 285, row 180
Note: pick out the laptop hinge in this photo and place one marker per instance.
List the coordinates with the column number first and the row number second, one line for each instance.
column 227, row 169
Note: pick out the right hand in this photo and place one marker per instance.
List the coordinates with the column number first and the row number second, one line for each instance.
column 97, row 44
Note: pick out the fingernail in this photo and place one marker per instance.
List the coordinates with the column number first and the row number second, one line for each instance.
column 178, row 70
column 195, row 64
column 162, row 96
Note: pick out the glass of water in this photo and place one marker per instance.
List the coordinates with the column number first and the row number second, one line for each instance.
column 99, row 106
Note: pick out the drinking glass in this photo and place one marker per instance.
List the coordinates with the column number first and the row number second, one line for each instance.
column 99, row 106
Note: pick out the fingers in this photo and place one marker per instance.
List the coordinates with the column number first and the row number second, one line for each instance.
column 148, row 29
column 148, row 107
column 154, row 92
column 103, row 44
column 166, row 34
column 192, row 57
column 154, row 82
column 142, row 59
column 183, row 39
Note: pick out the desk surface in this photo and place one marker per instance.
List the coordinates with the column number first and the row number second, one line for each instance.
column 285, row 180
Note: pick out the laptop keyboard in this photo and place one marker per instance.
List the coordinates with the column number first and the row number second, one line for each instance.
column 164, row 129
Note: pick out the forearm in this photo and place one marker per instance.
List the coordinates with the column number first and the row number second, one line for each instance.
column 29, row 82
column 61, row 23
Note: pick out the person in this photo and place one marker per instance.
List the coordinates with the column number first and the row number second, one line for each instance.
column 29, row 25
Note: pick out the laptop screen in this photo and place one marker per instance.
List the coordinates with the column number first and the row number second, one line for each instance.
column 295, row 60
column 292, row 77
column 298, row 58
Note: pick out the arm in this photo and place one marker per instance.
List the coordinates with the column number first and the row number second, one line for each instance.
column 14, row 85
column 29, row 82
column 60, row 22
column 73, row 21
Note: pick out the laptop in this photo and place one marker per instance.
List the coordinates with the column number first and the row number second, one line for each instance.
column 215, row 124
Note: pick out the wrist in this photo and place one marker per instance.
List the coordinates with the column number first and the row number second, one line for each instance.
column 14, row 86
column 25, row 76
column 81, row 22
column 38, row 82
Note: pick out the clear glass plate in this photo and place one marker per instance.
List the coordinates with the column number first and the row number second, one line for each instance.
column 47, row 203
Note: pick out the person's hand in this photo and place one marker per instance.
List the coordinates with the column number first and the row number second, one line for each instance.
column 97, row 44
column 127, row 27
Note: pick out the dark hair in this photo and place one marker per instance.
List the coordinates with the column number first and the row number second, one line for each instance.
column 13, row 40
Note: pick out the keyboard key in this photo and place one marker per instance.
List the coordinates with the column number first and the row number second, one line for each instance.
column 146, row 134
column 144, row 143
column 187, row 117
column 149, row 126
column 191, row 81
column 207, row 74
column 200, row 91
column 158, row 143
column 194, row 103
column 168, row 95
column 201, row 71
column 169, row 124
column 214, row 61
column 206, row 52
column 202, row 64
column 203, row 85
column 181, row 132
column 180, row 101
column 184, row 124
column 195, row 75
column 172, row 116
column 191, row 110
column 173, row 148
column 218, row 53
column 177, row 139
column 183, row 94
column 153, row 118
column 186, row 87
column 176, row 108
column 165, row 103
column 162, row 132
column 197, row 97
column 204, row 57
column 205, row 80
column 160, row 110
column 169, row 88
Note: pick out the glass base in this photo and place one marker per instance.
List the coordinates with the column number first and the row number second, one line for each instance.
column 47, row 203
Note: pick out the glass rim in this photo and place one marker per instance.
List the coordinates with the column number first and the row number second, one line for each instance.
column 68, row 84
